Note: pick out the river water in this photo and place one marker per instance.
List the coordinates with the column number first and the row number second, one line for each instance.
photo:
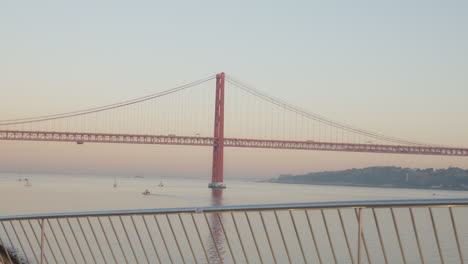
column 66, row 193
column 72, row 193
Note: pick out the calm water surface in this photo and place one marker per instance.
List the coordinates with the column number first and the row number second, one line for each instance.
column 65, row 193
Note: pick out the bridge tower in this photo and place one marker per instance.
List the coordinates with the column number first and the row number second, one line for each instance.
column 218, row 147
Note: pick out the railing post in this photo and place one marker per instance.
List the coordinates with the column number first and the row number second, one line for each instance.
column 416, row 235
column 328, row 236
column 359, row 237
column 456, row 235
column 42, row 241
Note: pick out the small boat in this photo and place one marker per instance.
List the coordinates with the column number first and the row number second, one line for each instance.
column 146, row 192
column 161, row 184
column 20, row 178
column 27, row 183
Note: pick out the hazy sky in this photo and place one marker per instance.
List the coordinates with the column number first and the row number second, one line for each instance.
column 394, row 67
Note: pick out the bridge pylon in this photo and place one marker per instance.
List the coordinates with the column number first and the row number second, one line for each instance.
column 218, row 147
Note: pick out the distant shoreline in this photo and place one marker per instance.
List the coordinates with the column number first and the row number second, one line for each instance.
column 452, row 179
column 371, row 186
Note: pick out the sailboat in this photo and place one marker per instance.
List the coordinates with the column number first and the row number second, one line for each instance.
column 27, row 183
column 115, row 181
column 161, row 184
column 20, row 179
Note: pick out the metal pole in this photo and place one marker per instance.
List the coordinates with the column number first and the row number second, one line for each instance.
column 42, row 241
column 118, row 240
column 227, row 238
column 268, row 237
column 50, row 248
column 253, row 236
column 97, row 241
column 56, row 241
column 139, row 239
column 282, row 236
column 76, row 240
column 175, row 238
column 86, row 239
column 213, row 238
column 37, row 239
column 379, row 235
column 240, row 239
column 29, row 242
column 313, row 237
column 11, row 241
column 416, row 235
column 297, row 235
column 163, row 239
column 441, row 256
column 128, row 238
column 455, row 233
column 5, row 249
column 19, row 240
column 398, row 236
column 188, row 239
column 328, row 235
column 359, row 236
column 152, row 240
column 107, row 239
column 201, row 240
column 362, row 236
column 346, row 236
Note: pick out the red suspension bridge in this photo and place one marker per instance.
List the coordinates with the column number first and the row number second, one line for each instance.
column 256, row 120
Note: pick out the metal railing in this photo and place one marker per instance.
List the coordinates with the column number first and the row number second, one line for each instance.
column 395, row 231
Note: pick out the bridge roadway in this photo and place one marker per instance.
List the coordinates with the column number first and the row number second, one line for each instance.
column 228, row 142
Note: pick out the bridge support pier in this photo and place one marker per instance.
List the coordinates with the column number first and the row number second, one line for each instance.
column 218, row 147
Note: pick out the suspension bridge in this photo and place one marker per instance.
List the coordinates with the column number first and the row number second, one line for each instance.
column 183, row 116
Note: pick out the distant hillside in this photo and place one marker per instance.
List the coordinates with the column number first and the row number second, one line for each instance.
column 451, row 178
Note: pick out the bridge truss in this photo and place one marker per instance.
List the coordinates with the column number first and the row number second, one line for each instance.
column 81, row 138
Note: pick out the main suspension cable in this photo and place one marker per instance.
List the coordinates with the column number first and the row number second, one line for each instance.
column 278, row 102
column 105, row 107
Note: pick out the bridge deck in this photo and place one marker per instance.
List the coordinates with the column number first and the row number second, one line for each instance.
column 228, row 142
